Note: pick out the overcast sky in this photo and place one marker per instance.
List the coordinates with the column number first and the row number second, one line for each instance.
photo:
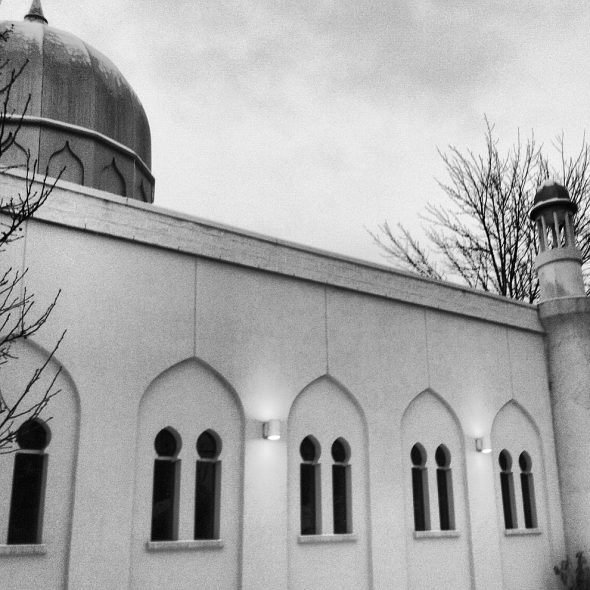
column 311, row 120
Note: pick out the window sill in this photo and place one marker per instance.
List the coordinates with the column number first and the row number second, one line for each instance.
column 451, row 534
column 522, row 532
column 315, row 539
column 189, row 545
column 28, row 549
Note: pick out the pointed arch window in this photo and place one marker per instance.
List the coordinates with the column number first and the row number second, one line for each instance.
column 309, row 486
column 420, row 488
column 207, row 486
column 444, row 483
column 527, row 485
column 341, row 487
column 25, row 522
column 166, row 486
column 507, row 488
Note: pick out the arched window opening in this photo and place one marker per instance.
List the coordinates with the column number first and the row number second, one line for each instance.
column 527, row 485
column 420, row 488
column 166, row 489
column 309, row 486
column 25, row 522
column 208, row 486
column 341, row 487
column 507, row 487
column 444, row 482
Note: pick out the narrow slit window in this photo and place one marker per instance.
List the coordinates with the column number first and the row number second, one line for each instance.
column 420, row 488
column 444, row 482
column 341, row 487
column 208, row 486
column 25, row 522
column 507, row 487
column 527, row 485
column 165, row 486
column 309, row 487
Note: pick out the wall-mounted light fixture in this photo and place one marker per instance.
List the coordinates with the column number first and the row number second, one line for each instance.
column 271, row 430
column 483, row 444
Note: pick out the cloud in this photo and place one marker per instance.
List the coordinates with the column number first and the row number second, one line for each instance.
column 309, row 119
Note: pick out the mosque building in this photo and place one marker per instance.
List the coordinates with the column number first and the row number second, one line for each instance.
column 239, row 412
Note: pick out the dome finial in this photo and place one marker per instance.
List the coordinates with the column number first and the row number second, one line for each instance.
column 36, row 13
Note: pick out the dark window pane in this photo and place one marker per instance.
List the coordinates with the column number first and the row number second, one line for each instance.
column 418, row 455
column 528, row 500
column 308, row 449
column 444, row 481
column 207, row 446
column 507, row 485
column 165, row 500
column 26, row 504
column 525, row 461
column 442, row 456
column 32, row 435
column 341, row 498
column 340, row 452
column 207, row 500
column 420, row 496
column 165, row 443
column 505, row 460
column 310, row 501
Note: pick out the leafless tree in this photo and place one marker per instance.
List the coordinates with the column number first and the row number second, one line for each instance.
column 19, row 318
column 480, row 235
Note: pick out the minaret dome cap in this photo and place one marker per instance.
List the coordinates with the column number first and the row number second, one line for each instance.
column 551, row 195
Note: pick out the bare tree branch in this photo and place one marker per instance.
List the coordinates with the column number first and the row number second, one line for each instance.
column 480, row 235
column 19, row 316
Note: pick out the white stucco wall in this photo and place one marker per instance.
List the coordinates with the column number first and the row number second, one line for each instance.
column 135, row 307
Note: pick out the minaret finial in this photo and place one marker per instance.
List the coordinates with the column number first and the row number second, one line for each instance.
column 36, row 13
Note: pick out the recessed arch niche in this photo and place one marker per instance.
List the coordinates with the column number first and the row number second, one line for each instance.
column 327, row 413
column 430, row 425
column 111, row 179
column 515, row 432
column 68, row 163
column 62, row 416
column 15, row 156
column 192, row 398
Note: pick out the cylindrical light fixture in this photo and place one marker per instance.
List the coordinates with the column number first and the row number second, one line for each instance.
column 271, row 430
column 483, row 444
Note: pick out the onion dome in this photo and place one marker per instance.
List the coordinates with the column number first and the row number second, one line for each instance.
column 80, row 114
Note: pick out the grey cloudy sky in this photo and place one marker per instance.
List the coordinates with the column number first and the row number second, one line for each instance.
column 311, row 120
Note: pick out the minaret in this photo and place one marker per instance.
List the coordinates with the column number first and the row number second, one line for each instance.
column 564, row 311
